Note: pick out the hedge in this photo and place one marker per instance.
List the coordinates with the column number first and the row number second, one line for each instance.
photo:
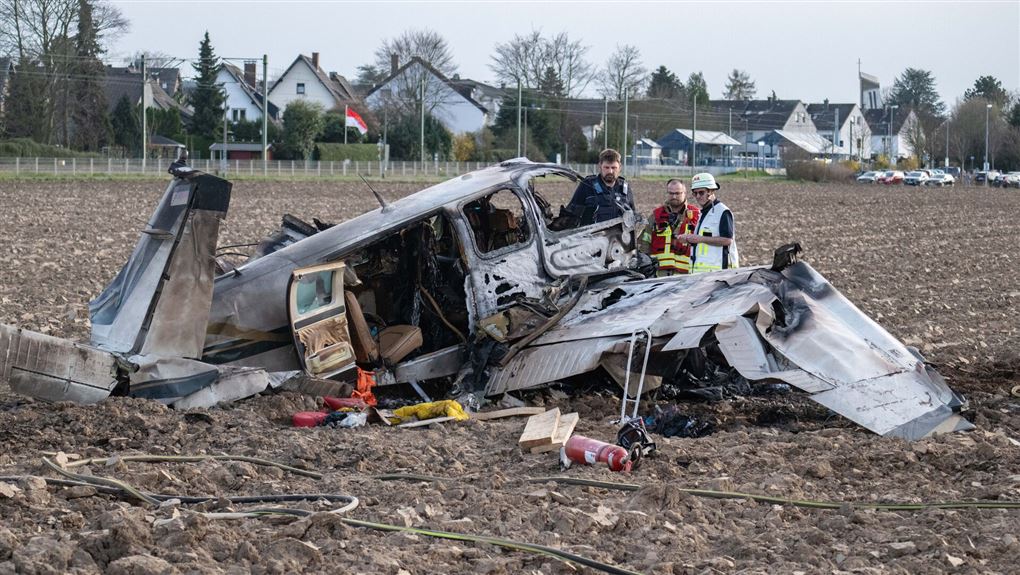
column 329, row 152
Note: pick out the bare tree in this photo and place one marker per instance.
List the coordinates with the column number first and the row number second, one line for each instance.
column 417, row 84
column 622, row 73
column 425, row 44
column 526, row 58
column 739, row 86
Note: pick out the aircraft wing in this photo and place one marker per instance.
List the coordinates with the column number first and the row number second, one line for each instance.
column 791, row 326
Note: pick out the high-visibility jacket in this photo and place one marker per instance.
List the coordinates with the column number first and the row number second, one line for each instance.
column 709, row 258
column 674, row 257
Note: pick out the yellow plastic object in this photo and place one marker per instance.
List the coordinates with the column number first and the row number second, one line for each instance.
column 444, row 408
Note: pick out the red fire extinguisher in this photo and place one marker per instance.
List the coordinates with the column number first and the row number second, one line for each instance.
column 587, row 451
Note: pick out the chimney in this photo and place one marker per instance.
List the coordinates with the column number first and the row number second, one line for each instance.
column 315, row 60
column 394, row 63
column 249, row 72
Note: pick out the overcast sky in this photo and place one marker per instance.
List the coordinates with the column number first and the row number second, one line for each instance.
column 802, row 50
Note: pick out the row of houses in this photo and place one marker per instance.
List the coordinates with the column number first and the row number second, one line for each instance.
column 722, row 130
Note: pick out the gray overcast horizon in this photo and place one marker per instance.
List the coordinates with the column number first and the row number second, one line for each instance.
column 802, row 50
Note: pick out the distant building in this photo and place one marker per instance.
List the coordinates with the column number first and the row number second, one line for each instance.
column 753, row 120
column 304, row 80
column 712, row 147
column 890, row 131
column 239, row 151
column 452, row 102
column 854, row 133
column 871, row 92
column 646, row 151
column 243, row 94
column 127, row 83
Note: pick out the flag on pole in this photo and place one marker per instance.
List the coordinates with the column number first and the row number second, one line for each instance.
column 354, row 121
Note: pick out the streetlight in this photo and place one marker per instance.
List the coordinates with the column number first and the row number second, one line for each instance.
column 892, row 149
column 987, row 108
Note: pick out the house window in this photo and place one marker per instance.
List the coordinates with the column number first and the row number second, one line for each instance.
column 234, row 114
column 301, row 88
column 244, row 114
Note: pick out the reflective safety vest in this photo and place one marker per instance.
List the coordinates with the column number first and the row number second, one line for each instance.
column 710, row 258
column 673, row 257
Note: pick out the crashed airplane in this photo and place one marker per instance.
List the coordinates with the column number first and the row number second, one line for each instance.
column 468, row 283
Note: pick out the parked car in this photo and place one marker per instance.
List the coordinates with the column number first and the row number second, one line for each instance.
column 1011, row 180
column 941, row 180
column 868, row 177
column 999, row 181
column 954, row 171
column 916, row 178
column 981, row 176
column 891, row 177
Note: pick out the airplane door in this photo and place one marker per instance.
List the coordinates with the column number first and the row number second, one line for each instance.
column 318, row 319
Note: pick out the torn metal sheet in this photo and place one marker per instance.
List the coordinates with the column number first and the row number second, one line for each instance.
column 538, row 365
column 55, row 369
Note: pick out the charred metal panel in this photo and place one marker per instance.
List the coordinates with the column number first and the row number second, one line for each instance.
column 55, row 369
column 538, row 365
column 440, row 363
column 123, row 315
column 903, row 405
column 182, row 309
column 231, row 385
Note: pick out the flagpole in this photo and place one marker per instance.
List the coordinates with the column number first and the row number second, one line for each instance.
column 345, row 124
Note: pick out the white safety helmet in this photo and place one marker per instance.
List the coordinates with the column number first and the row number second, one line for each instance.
column 703, row 180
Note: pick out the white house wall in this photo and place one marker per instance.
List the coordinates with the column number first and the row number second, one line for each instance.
column 237, row 98
column 285, row 90
column 454, row 111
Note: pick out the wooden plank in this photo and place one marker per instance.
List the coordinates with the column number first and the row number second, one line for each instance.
column 509, row 412
column 566, row 427
column 540, row 429
column 425, row 422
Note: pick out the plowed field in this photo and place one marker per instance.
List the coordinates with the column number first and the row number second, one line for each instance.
column 937, row 268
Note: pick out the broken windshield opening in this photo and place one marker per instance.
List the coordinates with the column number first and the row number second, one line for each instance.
column 497, row 221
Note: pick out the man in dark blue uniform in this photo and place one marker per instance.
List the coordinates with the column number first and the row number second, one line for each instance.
column 602, row 196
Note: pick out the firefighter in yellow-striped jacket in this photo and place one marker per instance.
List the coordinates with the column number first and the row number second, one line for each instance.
column 661, row 237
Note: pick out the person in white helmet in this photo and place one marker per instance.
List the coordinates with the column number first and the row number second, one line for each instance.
column 715, row 247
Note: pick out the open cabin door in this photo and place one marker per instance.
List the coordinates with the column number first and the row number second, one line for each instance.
column 318, row 319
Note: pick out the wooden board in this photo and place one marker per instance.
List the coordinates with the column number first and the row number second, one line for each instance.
column 509, row 412
column 425, row 422
column 540, row 429
column 566, row 427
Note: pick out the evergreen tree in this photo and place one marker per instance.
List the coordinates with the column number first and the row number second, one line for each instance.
column 697, row 88
column 1014, row 115
column 916, row 89
column 989, row 88
column 665, row 85
column 25, row 107
column 550, row 84
column 302, row 124
column 207, row 99
column 91, row 124
column 405, row 138
column 739, row 86
column 127, row 131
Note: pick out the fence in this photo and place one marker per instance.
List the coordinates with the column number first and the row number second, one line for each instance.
column 300, row 168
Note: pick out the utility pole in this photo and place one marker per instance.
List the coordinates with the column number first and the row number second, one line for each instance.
column 265, row 115
column 346, row 111
column 987, row 108
column 835, row 132
column 145, row 123
column 519, row 94
column 626, row 102
column 605, row 123
column 947, row 144
column 223, row 152
column 694, row 136
column 729, row 132
column 421, row 94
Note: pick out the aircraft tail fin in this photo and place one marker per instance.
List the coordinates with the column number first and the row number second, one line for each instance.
column 158, row 304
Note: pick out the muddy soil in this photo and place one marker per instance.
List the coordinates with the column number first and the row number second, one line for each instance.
column 936, row 267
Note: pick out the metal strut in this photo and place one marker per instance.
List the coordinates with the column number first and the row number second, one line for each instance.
column 641, row 381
